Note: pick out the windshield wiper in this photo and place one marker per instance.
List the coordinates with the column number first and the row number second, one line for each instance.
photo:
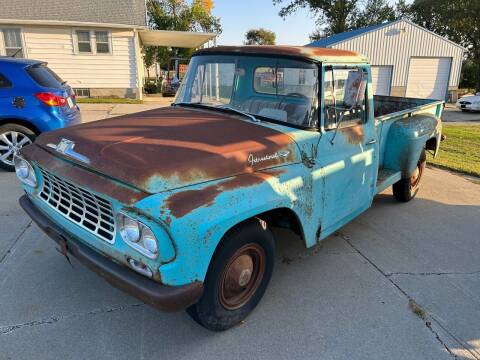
column 224, row 108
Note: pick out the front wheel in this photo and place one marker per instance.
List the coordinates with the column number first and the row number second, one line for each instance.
column 237, row 277
column 406, row 189
column 12, row 138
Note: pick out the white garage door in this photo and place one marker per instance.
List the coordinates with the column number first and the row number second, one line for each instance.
column 428, row 78
column 381, row 79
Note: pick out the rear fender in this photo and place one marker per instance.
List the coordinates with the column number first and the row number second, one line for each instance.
column 407, row 137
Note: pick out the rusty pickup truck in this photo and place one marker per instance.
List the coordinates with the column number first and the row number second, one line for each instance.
column 175, row 205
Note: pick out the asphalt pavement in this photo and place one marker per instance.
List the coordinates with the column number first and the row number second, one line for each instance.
column 402, row 281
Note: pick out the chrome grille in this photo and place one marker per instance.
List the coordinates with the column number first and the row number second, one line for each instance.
column 80, row 206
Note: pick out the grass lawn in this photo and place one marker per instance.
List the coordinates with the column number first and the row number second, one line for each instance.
column 460, row 151
column 108, row 101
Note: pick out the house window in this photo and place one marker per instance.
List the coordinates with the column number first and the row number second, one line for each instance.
column 13, row 43
column 82, row 92
column 101, row 40
column 83, row 41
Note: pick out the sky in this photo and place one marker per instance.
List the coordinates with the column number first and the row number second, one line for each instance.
column 237, row 17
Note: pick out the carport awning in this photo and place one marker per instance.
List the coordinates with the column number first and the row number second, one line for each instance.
column 183, row 39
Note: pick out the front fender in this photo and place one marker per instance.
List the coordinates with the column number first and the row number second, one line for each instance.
column 199, row 216
column 406, row 139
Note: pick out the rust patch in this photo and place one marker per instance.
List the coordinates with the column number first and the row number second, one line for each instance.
column 166, row 148
column 183, row 203
column 83, row 177
column 353, row 134
column 306, row 52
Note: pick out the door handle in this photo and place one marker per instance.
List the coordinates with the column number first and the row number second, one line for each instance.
column 370, row 142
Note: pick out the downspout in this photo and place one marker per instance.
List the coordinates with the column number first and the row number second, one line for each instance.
column 139, row 63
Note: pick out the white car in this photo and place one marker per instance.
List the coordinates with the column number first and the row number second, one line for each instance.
column 469, row 102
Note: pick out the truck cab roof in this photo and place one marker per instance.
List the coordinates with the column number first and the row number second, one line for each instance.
column 309, row 53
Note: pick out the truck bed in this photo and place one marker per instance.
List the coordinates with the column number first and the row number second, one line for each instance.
column 391, row 106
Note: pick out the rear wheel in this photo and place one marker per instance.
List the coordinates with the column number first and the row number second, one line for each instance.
column 406, row 189
column 12, row 138
column 237, row 277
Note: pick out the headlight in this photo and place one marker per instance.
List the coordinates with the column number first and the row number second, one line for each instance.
column 25, row 172
column 138, row 236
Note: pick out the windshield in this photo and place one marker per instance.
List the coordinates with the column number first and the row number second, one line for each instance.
column 281, row 90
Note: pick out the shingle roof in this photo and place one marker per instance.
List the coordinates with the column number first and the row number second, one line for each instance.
column 125, row 12
column 328, row 41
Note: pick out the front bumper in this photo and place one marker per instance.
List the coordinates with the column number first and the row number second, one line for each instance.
column 167, row 298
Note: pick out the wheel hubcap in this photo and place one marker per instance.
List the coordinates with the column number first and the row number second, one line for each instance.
column 10, row 144
column 417, row 174
column 242, row 276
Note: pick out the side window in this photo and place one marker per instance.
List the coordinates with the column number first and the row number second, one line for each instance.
column 265, row 80
column 13, row 43
column 344, row 97
column 83, row 41
column 4, row 82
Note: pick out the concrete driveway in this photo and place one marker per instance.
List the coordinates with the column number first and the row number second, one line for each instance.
column 400, row 282
column 454, row 116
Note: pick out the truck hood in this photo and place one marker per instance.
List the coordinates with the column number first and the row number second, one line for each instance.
column 168, row 148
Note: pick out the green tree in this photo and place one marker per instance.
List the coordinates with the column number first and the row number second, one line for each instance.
column 178, row 15
column 332, row 16
column 374, row 12
column 457, row 20
column 260, row 37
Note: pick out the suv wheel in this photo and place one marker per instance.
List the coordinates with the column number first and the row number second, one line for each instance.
column 237, row 277
column 12, row 138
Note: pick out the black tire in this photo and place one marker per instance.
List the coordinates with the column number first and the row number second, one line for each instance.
column 217, row 311
column 6, row 132
column 406, row 189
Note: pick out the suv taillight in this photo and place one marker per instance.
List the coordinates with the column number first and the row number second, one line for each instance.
column 51, row 99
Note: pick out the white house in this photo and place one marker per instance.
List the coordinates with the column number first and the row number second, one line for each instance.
column 93, row 44
column 407, row 59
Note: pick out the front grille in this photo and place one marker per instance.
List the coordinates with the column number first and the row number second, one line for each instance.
column 80, row 206
column 465, row 102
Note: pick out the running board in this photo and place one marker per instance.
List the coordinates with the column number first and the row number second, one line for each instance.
column 386, row 178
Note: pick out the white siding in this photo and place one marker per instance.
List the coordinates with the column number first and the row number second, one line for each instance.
column 55, row 45
column 395, row 44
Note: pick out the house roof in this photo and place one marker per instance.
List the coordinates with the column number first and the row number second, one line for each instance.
column 183, row 39
column 126, row 12
column 301, row 52
column 336, row 38
column 347, row 35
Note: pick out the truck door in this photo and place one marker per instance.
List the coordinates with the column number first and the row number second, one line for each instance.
column 347, row 151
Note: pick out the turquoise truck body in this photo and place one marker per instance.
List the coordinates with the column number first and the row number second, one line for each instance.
column 313, row 181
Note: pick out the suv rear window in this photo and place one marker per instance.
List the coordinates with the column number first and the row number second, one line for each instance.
column 45, row 77
column 4, row 82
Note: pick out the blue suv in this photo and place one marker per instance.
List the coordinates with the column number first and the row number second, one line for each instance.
column 33, row 99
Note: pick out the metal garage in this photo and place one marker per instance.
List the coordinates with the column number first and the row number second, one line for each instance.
column 407, row 59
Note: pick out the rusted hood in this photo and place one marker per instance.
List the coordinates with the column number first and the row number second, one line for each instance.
column 167, row 148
